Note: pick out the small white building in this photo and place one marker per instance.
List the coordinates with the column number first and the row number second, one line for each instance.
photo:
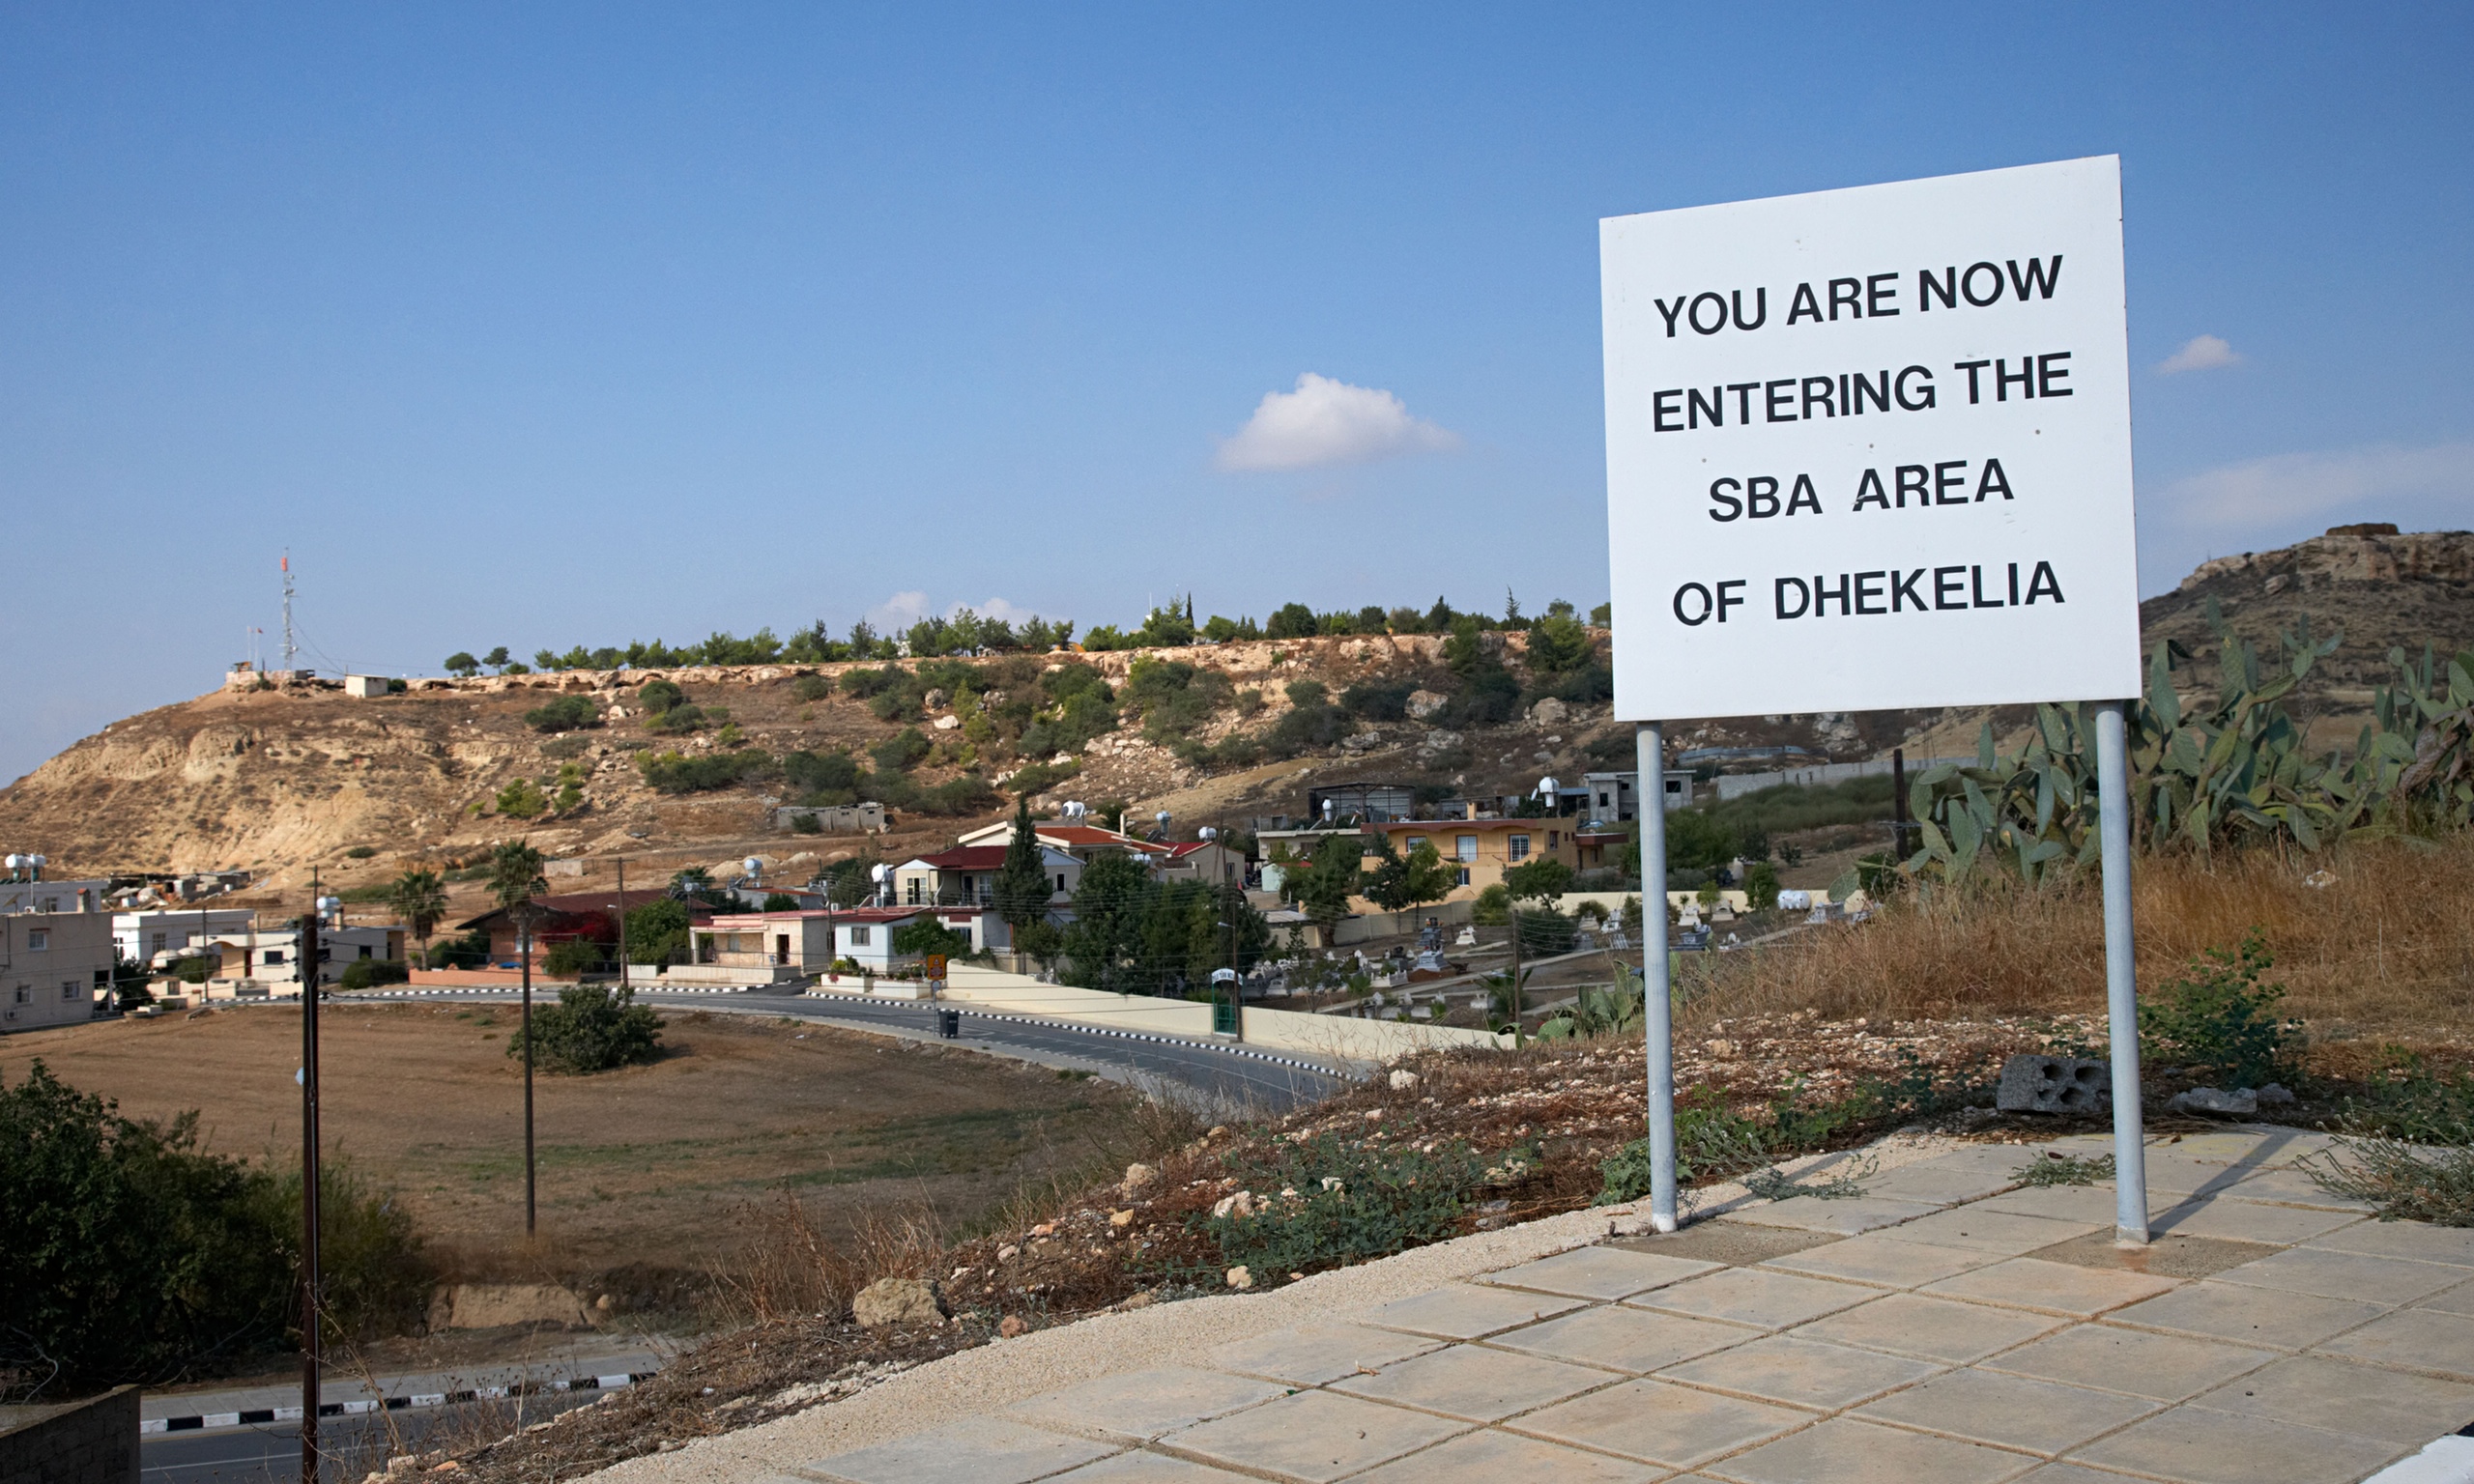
column 52, row 967
column 34, row 896
column 811, row 942
column 147, row 936
column 965, row 876
column 263, row 963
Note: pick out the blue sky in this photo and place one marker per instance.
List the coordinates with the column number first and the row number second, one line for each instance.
column 539, row 325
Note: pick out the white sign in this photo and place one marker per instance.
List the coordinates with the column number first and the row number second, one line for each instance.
column 1870, row 448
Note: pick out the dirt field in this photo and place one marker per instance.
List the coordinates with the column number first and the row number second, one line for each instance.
column 651, row 1168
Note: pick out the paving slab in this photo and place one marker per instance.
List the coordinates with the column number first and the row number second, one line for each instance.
column 2002, row 1160
column 1468, row 1311
column 982, row 1450
column 2041, row 1416
column 1316, row 1436
column 2196, row 1446
column 2230, row 1311
column 2073, row 1473
column 1474, row 1383
column 1602, row 1273
column 2345, row 1397
column 2265, row 1148
column 2087, row 1205
column 2410, row 1240
column 1309, row 1355
column 2192, row 1177
column 2237, row 1220
column 1147, row 1469
column 1140, row 1405
column 1619, row 1338
column 2290, row 1186
column 1801, row 1373
column 1710, row 1239
column 2105, row 1357
column 1844, row 1451
column 2052, row 1288
column 1935, row 1185
column 1493, row 1458
column 1942, row 1330
column 1661, row 1423
column 2344, row 1275
column 1758, row 1297
column 1861, row 1213
column 1885, row 1260
column 2451, row 1300
column 2413, row 1340
column 1978, row 1229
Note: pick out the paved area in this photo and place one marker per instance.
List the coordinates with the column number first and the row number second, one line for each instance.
column 1948, row 1327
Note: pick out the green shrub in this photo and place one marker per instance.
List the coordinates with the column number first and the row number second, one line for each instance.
column 137, row 1258
column 2402, row 1182
column 2406, row 1098
column 360, row 852
column 924, row 936
column 811, row 688
column 1760, row 886
column 1488, row 696
column 564, row 713
column 1354, row 1201
column 2218, row 1022
column 521, row 799
column 572, row 957
column 806, row 824
column 823, row 778
column 1040, row 777
column 593, row 1028
column 902, row 752
column 369, row 973
column 1378, row 700
column 678, row 719
column 657, row 932
column 675, row 773
column 659, row 696
column 1494, row 906
column 864, row 683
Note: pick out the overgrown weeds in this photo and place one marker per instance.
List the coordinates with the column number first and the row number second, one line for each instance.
column 2409, row 1144
column 1331, row 1200
column 2061, row 1169
column 2220, row 1023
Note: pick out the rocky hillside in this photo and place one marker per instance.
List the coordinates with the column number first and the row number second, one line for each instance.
column 288, row 780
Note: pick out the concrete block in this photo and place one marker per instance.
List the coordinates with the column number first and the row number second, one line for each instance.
column 2032, row 1083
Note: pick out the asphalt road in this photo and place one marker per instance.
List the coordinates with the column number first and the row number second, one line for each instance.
column 1226, row 1078
column 353, row 1446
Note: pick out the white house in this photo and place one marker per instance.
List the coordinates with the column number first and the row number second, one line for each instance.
column 1083, row 841
column 84, row 896
column 966, row 876
column 256, row 963
column 144, row 937
column 52, row 964
column 811, row 941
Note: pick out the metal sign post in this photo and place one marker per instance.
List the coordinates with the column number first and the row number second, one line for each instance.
column 1658, row 1009
column 2121, row 976
column 1870, row 449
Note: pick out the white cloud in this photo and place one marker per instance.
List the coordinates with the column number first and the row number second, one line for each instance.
column 2290, row 487
column 2201, row 352
column 1324, row 422
column 899, row 612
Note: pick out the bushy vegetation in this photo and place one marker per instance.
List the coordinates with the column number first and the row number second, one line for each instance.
column 370, row 973
column 593, row 1028
column 135, row 1257
column 1135, row 935
column 564, row 713
column 657, row 933
column 1333, row 1200
column 2219, row 1023
column 679, row 773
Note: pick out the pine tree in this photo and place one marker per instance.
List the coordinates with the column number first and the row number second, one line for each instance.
column 1022, row 888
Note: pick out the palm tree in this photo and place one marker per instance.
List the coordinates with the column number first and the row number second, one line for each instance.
column 420, row 897
column 515, row 874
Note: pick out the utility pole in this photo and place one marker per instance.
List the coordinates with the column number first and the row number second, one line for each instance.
column 1515, row 996
column 311, row 1305
column 622, row 924
column 523, row 946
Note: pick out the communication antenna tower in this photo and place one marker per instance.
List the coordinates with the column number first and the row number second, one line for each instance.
column 290, row 647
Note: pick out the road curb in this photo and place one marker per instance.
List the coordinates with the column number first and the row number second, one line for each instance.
column 1045, row 1023
column 252, row 1417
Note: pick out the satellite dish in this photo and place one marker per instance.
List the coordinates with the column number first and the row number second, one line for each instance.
column 754, row 867
column 1328, row 807
column 330, row 903
column 1547, row 788
column 878, row 871
column 1161, row 817
column 1208, row 834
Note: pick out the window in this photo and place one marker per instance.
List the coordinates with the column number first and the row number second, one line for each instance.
column 68, row 989
column 910, row 894
column 1601, row 801
column 1517, row 847
column 1061, row 881
column 1463, row 874
column 1409, row 846
column 22, row 996
column 159, row 944
column 275, row 956
column 1464, row 847
column 859, row 936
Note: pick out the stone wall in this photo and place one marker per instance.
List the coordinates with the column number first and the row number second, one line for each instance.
column 93, row 1442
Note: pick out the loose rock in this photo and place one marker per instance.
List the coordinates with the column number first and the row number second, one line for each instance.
column 897, row 1302
column 1241, row 1278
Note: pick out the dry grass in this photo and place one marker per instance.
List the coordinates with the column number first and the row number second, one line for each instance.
column 2386, row 948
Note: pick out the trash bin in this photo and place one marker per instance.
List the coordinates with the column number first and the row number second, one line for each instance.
column 949, row 1024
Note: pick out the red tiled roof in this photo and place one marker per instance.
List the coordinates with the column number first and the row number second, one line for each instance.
column 1089, row 835
column 592, row 905
column 967, row 858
